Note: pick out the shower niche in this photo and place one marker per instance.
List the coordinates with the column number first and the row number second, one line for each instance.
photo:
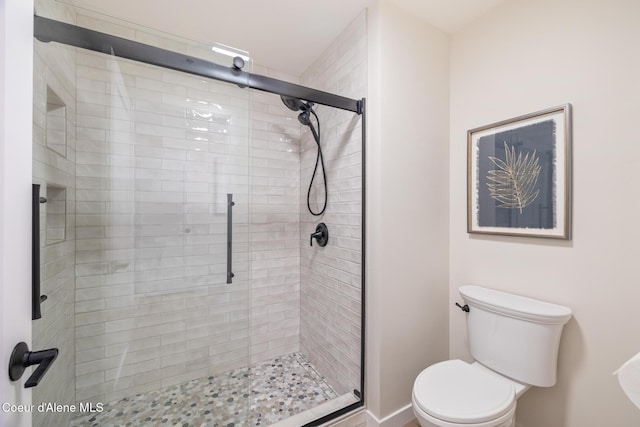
column 56, row 123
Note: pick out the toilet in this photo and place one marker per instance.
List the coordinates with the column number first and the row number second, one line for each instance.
column 514, row 341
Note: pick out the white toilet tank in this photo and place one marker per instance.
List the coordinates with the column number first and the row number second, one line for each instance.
column 516, row 336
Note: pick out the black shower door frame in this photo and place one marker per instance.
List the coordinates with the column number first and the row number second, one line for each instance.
column 48, row 30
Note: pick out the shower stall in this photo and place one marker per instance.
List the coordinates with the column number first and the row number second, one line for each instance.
column 178, row 211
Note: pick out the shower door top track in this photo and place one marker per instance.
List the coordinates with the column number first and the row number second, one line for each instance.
column 47, row 30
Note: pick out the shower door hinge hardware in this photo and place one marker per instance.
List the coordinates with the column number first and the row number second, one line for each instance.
column 22, row 358
column 464, row 308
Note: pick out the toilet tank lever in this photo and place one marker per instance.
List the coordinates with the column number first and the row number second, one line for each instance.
column 464, row 308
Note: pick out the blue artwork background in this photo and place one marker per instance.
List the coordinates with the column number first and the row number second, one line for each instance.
column 541, row 212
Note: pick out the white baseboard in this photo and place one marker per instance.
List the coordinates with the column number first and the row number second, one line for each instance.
column 398, row 419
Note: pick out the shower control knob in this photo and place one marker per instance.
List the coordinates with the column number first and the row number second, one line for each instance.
column 321, row 235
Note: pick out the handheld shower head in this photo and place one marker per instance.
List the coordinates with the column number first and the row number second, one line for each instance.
column 295, row 104
column 303, row 118
column 306, row 108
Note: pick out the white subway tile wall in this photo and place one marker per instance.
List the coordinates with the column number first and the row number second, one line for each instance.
column 158, row 151
column 275, row 226
column 331, row 276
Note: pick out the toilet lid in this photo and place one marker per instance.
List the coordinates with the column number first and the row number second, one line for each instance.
column 458, row 392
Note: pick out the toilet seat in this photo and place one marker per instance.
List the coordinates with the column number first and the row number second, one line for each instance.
column 457, row 392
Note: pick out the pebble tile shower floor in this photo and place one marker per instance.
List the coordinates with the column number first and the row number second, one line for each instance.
column 279, row 388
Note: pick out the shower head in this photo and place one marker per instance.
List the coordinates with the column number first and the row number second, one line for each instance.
column 294, row 104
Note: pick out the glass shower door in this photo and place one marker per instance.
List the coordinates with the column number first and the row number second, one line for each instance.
column 144, row 236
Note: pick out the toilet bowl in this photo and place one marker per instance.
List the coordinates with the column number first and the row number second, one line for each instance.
column 455, row 393
column 514, row 341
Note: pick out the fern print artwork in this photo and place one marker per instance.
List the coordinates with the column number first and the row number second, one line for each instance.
column 519, row 175
column 513, row 183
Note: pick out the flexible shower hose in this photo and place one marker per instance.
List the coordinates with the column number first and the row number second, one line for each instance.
column 319, row 159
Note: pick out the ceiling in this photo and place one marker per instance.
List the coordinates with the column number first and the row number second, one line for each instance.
column 286, row 35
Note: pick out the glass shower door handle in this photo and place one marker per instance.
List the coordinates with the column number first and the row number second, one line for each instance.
column 230, row 204
column 36, row 297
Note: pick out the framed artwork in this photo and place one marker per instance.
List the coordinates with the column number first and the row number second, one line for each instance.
column 519, row 176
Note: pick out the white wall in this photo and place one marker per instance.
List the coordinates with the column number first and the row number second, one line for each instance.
column 16, row 56
column 522, row 57
column 407, row 204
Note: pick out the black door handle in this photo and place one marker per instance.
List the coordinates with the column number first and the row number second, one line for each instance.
column 22, row 358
